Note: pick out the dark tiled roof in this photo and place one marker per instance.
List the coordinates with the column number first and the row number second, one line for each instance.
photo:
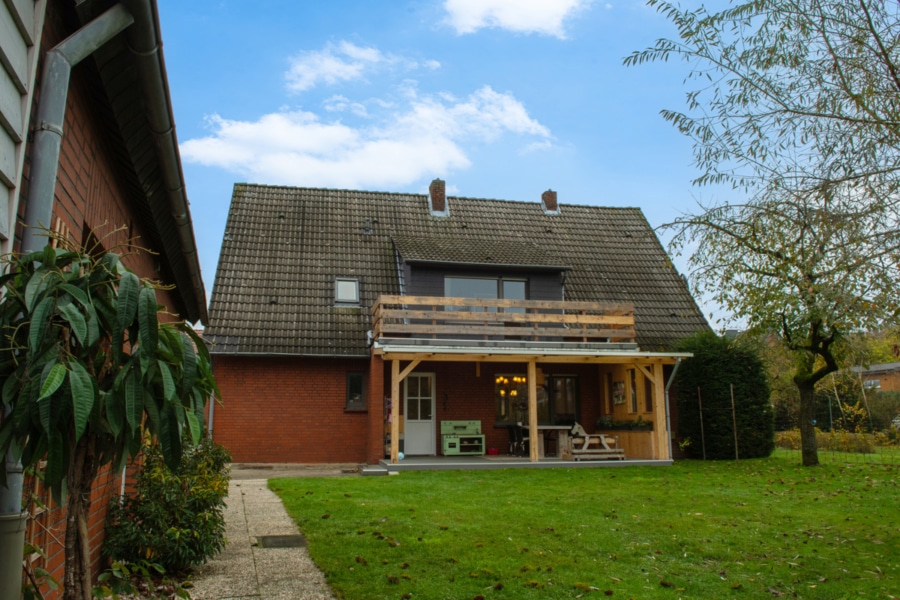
column 283, row 248
column 458, row 250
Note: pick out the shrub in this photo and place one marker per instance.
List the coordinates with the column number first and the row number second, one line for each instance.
column 717, row 365
column 175, row 519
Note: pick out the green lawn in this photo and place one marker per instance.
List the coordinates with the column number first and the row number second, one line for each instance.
column 756, row 529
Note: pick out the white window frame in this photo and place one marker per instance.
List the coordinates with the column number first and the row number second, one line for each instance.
column 337, row 290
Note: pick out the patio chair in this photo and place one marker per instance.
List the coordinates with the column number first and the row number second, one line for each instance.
column 518, row 440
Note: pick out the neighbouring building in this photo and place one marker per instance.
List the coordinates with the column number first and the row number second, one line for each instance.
column 88, row 150
column 348, row 326
column 884, row 377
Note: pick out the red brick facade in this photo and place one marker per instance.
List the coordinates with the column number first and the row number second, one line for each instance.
column 289, row 410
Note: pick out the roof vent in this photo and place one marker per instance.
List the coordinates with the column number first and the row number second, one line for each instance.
column 437, row 198
column 548, row 203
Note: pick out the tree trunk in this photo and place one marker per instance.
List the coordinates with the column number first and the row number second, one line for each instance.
column 808, row 446
column 80, row 479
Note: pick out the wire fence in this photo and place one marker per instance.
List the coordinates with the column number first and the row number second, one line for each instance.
column 843, row 447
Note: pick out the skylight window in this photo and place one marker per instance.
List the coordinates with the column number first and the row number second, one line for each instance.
column 346, row 291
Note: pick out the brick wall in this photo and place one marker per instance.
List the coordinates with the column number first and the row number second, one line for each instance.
column 289, row 410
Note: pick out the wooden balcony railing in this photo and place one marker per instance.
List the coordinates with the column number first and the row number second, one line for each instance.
column 472, row 318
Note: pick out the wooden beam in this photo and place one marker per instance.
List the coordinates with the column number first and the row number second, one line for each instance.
column 532, row 411
column 661, row 434
column 646, row 373
column 409, row 368
column 395, row 411
column 397, row 376
column 478, row 355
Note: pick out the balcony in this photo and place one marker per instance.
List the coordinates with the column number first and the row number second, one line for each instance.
column 496, row 321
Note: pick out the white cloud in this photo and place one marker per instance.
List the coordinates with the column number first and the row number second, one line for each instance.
column 343, row 61
column 524, row 16
column 342, row 104
column 427, row 138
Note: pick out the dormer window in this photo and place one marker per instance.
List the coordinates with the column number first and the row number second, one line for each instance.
column 346, row 290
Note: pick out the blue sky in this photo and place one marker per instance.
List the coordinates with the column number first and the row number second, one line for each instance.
column 500, row 98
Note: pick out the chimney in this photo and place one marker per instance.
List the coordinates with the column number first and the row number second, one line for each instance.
column 548, row 202
column 437, row 198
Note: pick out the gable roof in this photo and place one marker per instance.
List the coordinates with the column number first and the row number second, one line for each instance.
column 283, row 248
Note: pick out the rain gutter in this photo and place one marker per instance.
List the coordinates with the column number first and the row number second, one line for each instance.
column 145, row 41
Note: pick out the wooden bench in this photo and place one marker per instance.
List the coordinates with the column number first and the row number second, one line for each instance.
column 593, row 446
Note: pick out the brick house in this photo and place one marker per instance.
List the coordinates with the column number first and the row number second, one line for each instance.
column 88, row 150
column 346, row 324
column 884, row 377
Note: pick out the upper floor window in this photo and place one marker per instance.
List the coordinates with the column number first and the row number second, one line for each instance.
column 346, row 290
column 486, row 287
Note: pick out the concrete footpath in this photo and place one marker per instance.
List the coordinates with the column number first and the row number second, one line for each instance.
column 255, row 562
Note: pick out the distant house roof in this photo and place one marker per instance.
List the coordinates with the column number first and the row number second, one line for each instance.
column 283, row 248
column 877, row 369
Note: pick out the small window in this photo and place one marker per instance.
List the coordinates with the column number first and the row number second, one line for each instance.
column 356, row 391
column 872, row 384
column 346, row 291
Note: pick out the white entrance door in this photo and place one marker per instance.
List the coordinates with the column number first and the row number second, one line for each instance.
column 418, row 425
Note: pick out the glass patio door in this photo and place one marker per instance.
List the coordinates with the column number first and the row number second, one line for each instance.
column 418, row 425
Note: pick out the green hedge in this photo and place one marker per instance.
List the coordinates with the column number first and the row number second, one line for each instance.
column 717, row 365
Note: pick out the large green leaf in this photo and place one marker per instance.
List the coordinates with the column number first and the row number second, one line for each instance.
column 169, row 436
column 129, row 288
column 82, row 397
column 76, row 293
column 76, row 321
column 134, row 400
column 115, row 410
column 194, row 427
column 189, row 365
column 147, row 317
column 53, row 380
column 40, row 319
column 37, row 285
column 169, row 391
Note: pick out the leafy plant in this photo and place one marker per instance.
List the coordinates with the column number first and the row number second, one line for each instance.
column 130, row 580
column 86, row 367
column 174, row 518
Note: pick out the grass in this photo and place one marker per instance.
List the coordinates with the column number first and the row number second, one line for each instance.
column 754, row 529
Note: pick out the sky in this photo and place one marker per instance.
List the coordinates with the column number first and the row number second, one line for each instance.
column 500, row 98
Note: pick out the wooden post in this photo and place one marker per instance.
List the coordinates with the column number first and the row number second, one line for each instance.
column 702, row 436
column 734, row 421
column 660, row 430
column 532, row 411
column 395, row 411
